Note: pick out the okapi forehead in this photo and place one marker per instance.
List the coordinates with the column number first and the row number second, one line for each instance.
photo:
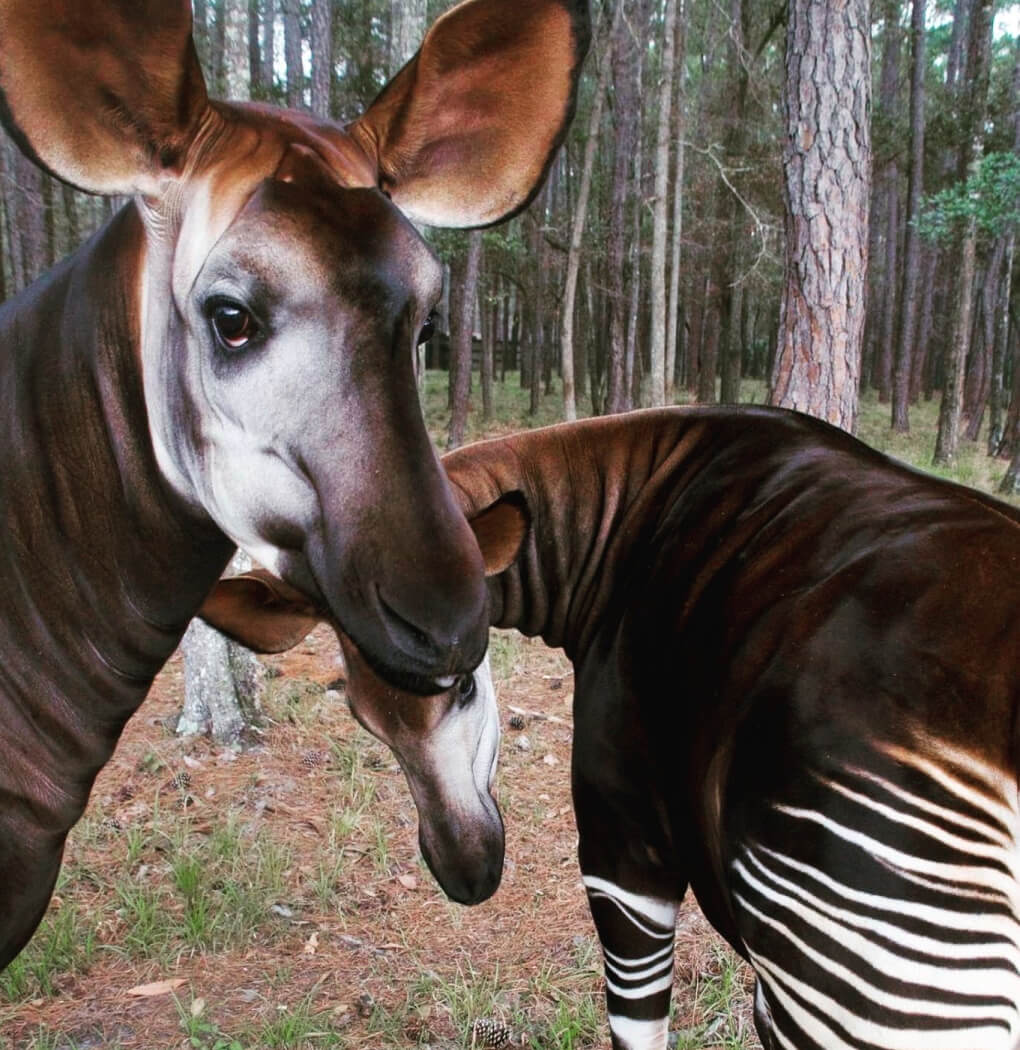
column 238, row 154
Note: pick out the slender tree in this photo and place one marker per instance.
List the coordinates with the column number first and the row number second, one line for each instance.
column 461, row 339
column 974, row 108
column 606, row 65
column 660, row 208
column 908, row 313
column 322, row 57
column 827, row 175
column 292, row 53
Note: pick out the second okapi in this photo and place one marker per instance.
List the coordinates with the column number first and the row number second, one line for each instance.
column 797, row 692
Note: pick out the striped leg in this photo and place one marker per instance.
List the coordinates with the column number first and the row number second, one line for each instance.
column 636, row 933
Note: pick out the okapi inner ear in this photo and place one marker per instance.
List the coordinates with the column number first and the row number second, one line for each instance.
column 500, row 530
column 106, row 95
column 259, row 611
column 464, row 134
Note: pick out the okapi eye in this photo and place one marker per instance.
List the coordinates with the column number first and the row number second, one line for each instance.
column 233, row 325
column 428, row 329
column 465, row 689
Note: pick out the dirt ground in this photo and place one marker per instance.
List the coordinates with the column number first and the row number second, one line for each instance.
column 355, row 946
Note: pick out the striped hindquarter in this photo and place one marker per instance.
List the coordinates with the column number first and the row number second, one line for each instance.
column 636, row 933
column 886, row 913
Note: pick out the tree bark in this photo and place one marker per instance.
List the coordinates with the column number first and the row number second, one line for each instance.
column 728, row 254
column 460, row 340
column 626, row 142
column 676, row 235
column 908, row 313
column 322, row 57
column 222, row 681
column 580, row 217
column 269, row 47
column 974, row 106
column 292, row 53
column 254, row 52
column 827, row 176
column 660, row 210
column 407, row 28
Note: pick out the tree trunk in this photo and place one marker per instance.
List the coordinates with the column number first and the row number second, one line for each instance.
column 269, row 47
column 222, row 681
column 322, row 57
column 975, row 101
column 407, row 28
column 728, row 253
column 676, row 235
column 254, row 52
column 660, row 209
column 908, row 313
column 577, row 225
column 827, row 169
column 626, row 143
column 292, row 53
column 236, row 73
column 460, row 340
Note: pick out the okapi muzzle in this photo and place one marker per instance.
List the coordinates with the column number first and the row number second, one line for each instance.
column 447, row 746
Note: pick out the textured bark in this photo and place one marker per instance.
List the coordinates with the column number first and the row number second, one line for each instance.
column 677, row 201
column 407, row 27
column 254, row 51
column 906, row 355
column 579, row 220
column 973, row 108
column 222, row 681
column 460, row 339
column 626, row 141
column 322, row 57
column 660, row 210
column 888, row 190
column 292, row 53
column 727, row 255
column 268, row 47
column 827, row 176
column 236, row 76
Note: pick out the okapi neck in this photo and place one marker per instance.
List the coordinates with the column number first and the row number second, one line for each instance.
column 597, row 492
column 101, row 568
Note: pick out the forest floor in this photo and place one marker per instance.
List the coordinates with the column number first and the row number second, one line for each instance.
column 275, row 897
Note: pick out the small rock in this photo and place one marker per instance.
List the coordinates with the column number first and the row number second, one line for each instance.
column 523, row 743
column 366, row 1004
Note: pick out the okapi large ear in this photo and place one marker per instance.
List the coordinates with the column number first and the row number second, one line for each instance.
column 464, row 134
column 500, row 530
column 105, row 94
column 259, row 611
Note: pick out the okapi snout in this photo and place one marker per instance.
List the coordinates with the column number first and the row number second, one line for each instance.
column 466, row 858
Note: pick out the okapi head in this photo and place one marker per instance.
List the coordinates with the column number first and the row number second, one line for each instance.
column 446, row 744
column 281, row 286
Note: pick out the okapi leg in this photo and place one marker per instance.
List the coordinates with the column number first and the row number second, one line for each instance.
column 636, row 933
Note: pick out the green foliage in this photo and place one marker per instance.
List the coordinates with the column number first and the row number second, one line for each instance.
column 991, row 196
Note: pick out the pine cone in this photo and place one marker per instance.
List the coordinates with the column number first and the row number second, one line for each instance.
column 180, row 782
column 488, row 1033
column 518, row 721
column 313, row 759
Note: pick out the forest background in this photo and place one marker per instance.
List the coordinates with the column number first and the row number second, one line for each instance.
column 654, row 266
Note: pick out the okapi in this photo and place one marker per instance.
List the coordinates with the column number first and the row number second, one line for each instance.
column 797, row 690
column 230, row 361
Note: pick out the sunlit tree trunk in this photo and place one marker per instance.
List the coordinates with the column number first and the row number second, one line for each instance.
column 292, row 53
column 222, row 681
column 677, row 203
column 906, row 353
column 322, row 57
column 660, row 209
column 461, row 340
column 974, row 106
column 578, row 222
column 827, row 169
